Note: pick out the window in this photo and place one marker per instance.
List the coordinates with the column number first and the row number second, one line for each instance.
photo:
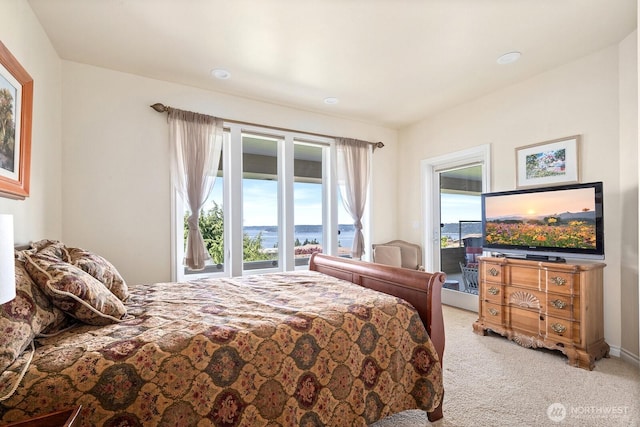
column 273, row 204
column 260, row 207
column 211, row 223
column 308, row 204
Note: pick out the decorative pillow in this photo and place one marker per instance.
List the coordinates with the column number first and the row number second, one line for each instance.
column 99, row 268
column 26, row 316
column 54, row 249
column 90, row 262
column 41, row 244
column 74, row 291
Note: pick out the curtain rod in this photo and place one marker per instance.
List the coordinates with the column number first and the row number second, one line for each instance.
column 161, row 108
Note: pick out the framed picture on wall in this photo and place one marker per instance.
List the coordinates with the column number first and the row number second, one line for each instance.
column 548, row 163
column 16, row 103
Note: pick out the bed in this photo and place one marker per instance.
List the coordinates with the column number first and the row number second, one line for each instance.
column 310, row 348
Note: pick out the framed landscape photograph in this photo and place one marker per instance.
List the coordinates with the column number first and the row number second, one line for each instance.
column 16, row 103
column 548, row 163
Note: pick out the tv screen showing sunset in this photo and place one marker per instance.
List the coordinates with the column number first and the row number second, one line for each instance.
column 554, row 219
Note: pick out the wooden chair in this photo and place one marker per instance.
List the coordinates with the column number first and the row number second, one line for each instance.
column 469, row 278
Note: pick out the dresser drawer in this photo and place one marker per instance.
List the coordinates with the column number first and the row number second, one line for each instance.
column 525, row 320
column 564, row 306
column 492, row 292
column 492, row 273
column 562, row 330
column 493, row 313
column 528, row 277
column 560, row 282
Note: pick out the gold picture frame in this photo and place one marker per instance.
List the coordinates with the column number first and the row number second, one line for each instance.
column 553, row 162
column 16, row 105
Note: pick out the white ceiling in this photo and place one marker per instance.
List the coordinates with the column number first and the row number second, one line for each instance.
column 390, row 62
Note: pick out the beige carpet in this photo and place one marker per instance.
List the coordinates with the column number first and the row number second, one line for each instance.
column 490, row 381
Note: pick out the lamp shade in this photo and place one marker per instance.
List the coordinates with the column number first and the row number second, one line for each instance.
column 7, row 260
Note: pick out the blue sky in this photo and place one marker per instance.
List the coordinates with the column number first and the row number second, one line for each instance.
column 260, row 204
column 460, row 207
column 5, row 84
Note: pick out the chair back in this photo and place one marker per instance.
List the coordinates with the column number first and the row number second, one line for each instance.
column 398, row 253
column 469, row 278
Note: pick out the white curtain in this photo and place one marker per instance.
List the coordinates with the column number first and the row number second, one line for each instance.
column 196, row 144
column 354, row 163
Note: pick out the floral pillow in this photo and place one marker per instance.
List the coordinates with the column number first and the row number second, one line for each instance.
column 99, row 268
column 54, row 249
column 26, row 316
column 74, row 291
column 90, row 262
column 41, row 244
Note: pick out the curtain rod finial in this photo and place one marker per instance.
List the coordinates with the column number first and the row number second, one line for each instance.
column 160, row 108
column 379, row 144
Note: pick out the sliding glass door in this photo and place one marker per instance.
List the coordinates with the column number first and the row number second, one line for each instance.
column 460, row 226
column 452, row 185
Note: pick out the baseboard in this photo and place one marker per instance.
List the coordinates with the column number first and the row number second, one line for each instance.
column 614, row 351
column 459, row 299
column 627, row 356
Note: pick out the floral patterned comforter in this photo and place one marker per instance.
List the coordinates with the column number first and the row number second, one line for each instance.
column 296, row 348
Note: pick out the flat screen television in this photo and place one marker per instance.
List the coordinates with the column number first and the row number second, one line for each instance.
column 548, row 223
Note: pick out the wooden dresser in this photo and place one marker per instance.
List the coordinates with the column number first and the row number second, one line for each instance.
column 544, row 304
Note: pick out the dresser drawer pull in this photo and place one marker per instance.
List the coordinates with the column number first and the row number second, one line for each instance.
column 493, row 290
column 493, row 272
column 558, row 281
column 558, row 304
column 493, row 312
column 558, row 328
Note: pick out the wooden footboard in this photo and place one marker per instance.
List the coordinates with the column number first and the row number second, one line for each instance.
column 421, row 289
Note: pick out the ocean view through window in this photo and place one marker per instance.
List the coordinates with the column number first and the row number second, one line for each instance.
column 302, row 233
column 274, row 203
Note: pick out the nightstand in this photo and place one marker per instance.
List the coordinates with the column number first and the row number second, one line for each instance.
column 66, row 418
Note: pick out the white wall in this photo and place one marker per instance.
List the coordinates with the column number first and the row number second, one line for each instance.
column 40, row 214
column 115, row 167
column 581, row 97
column 629, row 190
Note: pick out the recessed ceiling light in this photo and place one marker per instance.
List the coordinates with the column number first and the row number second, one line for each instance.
column 331, row 100
column 508, row 58
column 221, row 74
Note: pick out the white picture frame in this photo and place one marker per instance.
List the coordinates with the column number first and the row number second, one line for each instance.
column 553, row 162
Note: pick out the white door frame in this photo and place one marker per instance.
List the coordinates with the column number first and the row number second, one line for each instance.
column 430, row 168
